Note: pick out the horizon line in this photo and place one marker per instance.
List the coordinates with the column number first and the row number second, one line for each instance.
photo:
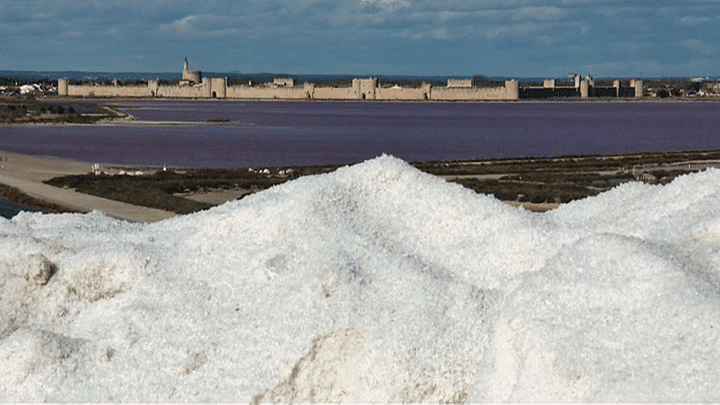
column 47, row 72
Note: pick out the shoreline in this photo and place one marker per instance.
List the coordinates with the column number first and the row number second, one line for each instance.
column 117, row 116
column 28, row 172
column 350, row 100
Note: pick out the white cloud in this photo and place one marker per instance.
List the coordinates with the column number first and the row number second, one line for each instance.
column 587, row 2
column 514, row 30
column 184, row 26
column 537, row 13
column 666, row 12
column 698, row 46
column 387, row 4
column 113, row 32
column 692, row 21
column 699, row 66
column 523, row 29
column 75, row 34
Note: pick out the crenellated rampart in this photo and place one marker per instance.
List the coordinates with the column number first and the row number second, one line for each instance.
column 193, row 85
column 361, row 89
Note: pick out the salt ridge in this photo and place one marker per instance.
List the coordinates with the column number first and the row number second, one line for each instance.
column 376, row 282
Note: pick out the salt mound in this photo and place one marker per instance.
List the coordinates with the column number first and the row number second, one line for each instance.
column 373, row 283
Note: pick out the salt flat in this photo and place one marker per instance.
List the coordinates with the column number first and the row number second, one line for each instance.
column 376, row 282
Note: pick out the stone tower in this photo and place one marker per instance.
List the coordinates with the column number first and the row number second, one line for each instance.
column 63, row 87
column 190, row 76
column 365, row 89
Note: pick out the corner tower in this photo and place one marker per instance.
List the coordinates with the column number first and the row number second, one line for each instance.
column 63, row 87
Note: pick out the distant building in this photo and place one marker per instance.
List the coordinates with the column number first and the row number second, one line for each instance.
column 713, row 88
column 30, row 89
column 283, row 82
column 459, row 83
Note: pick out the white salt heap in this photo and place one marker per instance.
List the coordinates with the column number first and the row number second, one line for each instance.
column 373, row 283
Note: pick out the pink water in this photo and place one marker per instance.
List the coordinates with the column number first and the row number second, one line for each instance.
column 296, row 133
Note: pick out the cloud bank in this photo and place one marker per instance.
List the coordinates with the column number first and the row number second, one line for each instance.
column 519, row 37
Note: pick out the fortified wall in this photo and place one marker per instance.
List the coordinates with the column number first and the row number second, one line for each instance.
column 361, row 89
column 584, row 88
column 193, row 85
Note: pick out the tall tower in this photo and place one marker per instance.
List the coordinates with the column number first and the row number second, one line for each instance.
column 190, row 76
column 63, row 87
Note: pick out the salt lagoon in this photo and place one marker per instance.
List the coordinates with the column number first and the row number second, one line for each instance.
column 272, row 133
column 376, row 282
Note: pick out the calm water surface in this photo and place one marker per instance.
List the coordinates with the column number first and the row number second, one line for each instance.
column 297, row 133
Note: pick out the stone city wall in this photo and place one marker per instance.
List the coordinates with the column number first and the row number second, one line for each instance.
column 87, row 90
column 508, row 92
column 334, row 93
column 402, row 94
column 266, row 92
column 200, row 91
column 585, row 89
column 361, row 89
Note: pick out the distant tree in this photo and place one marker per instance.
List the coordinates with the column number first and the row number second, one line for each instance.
column 479, row 79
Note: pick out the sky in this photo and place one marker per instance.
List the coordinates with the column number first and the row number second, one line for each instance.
column 512, row 38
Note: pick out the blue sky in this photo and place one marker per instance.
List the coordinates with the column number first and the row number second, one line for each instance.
column 522, row 38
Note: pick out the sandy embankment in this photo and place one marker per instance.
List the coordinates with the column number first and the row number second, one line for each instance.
column 27, row 173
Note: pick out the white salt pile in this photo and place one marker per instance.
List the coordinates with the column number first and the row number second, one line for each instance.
column 373, row 283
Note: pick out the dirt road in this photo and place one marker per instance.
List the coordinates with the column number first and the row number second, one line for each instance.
column 28, row 172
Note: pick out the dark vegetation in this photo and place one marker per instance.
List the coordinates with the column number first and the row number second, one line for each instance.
column 535, row 180
column 521, row 191
column 14, row 195
column 566, row 178
column 574, row 163
column 156, row 190
column 28, row 110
